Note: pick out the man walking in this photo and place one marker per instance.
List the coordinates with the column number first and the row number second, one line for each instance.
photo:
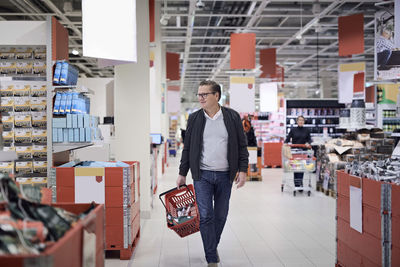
column 215, row 151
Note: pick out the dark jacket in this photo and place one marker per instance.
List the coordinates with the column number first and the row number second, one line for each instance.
column 299, row 135
column 237, row 146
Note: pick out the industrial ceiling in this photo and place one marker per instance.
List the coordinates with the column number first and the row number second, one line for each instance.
column 305, row 34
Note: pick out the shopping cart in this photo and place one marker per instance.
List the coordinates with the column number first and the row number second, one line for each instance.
column 297, row 158
column 182, row 211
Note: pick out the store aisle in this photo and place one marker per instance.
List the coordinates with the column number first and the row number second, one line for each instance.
column 265, row 228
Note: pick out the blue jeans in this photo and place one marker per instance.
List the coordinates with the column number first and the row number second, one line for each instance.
column 212, row 186
column 298, row 179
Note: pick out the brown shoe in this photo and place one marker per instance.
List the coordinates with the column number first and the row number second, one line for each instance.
column 212, row 264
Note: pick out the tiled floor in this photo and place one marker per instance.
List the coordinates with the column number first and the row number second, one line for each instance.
column 265, row 228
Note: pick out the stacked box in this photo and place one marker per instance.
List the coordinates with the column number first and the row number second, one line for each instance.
column 367, row 150
column 376, row 208
column 76, row 128
column 121, row 198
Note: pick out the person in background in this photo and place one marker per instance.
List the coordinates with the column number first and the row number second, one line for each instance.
column 249, row 131
column 215, row 151
column 299, row 135
column 384, row 48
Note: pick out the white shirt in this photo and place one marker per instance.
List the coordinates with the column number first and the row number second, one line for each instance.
column 215, row 116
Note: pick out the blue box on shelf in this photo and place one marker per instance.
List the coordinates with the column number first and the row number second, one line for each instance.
column 88, row 132
column 70, row 135
column 81, row 134
column 55, row 135
column 86, row 121
column 65, row 134
column 60, row 135
column 80, row 120
column 69, row 120
column 74, row 121
column 76, row 135
column 59, row 122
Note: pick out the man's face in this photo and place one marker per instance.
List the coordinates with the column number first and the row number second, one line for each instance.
column 386, row 35
column 206, row 97
column 300, row 122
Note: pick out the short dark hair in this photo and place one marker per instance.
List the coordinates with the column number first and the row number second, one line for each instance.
column 215, row 87
column 301, row 116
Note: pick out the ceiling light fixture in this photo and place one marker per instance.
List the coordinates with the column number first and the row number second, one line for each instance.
column 75, row 52
column 200, row 5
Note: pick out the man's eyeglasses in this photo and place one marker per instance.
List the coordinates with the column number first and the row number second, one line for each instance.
column 204, row 95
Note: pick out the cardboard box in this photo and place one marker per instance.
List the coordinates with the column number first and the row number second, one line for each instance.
column 82, row 133
column 76, row 135
column 80, row 120
column 60, row 135
column 69, row 120
column 71, row 135
column 59, row 122
column 55, row 135
column 86, row 121
column 74, row 121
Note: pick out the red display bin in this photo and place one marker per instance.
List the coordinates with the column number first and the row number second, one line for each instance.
column 121, row 200
column 272, row 155
column 365, row 249
column 71, row 242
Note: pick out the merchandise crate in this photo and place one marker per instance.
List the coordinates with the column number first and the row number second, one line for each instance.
column 121, row 200
column 72, row 242
column 272, row 154
column 380, row 224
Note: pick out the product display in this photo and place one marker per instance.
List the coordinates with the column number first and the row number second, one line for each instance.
column 27, row 227
column 357, row 147
column 65, row 74
column 23, row 109
column 321, row 116
column 75, row 128
column 116, row 185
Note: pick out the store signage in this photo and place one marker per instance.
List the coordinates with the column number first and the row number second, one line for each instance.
column 351, row 35
column 387, row 44
column 109, row 30
column 346, row 84
column 242, row 94
column 243, row 51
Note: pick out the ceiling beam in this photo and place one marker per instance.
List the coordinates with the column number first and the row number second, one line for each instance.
column 309, row 24
column 334, row 44
column 189, row 32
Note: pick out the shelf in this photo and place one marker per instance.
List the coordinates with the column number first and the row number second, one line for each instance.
column 61, row 147
column 391, row 119
column 313, row 117
column 76, row 88
column 394, row 134
column 314, row 125
column 355, row 129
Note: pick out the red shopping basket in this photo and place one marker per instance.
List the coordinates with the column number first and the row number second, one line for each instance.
column 179, row 198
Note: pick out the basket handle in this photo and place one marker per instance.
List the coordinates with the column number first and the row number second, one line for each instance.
column 169, row 191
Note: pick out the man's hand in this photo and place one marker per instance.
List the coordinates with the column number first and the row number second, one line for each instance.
column 180, row 181
column 241, row 179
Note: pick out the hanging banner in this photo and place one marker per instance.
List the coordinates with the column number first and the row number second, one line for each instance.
column 173, row 101
column 243, row 50
column 268, row 97
column 242, row 94
column 351, row 35
column 346, row 80
column 359, row 85
column 109, row 29
column 387, row 93
column 387, row 44
column 173, row 66
column 268, row 62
